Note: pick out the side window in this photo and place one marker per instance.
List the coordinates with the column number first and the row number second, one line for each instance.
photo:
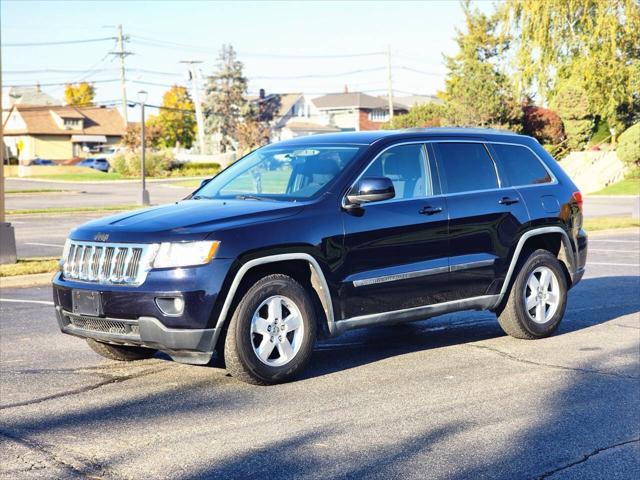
column 467, row 167
column 406, row 166
column 521, row 165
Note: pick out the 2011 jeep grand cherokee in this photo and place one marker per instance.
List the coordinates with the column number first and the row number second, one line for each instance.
column 313, row 236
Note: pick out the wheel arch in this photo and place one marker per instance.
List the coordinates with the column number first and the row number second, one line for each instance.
column 552, row 238
column 292, row 264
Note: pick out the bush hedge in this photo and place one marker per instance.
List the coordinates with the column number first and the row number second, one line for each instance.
column 628, row 148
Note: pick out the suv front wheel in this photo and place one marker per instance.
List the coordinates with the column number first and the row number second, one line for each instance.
column 272, row 332
column 537, row 299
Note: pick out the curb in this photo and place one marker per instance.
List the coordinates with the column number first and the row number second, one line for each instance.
column 19, row 281
column 609, row 231
column 609, row 197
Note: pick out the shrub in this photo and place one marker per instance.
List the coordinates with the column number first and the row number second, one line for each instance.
column 419, row 116
column 156, row 164
column 205, row 169
column 629, row 146
column 543, row 124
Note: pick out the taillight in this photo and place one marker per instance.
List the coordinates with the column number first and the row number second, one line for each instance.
column 577, row 196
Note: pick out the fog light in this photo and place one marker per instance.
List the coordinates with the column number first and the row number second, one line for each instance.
column 170, row 305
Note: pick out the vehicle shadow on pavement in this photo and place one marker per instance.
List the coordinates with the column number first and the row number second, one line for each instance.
column 590, row 303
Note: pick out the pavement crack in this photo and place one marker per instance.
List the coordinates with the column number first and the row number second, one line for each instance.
column 75, row 467
column 585, row 458
column 88, row 388
column 551, row 365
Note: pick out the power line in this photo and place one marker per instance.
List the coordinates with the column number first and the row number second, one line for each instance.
column 59, row 84
column 62, row 42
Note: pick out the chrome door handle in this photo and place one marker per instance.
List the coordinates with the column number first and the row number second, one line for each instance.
column 508, row 201
column 429, row 210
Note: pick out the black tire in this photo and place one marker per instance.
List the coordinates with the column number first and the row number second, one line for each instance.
column 122, row 353
column 514, row 318
column 241, row 361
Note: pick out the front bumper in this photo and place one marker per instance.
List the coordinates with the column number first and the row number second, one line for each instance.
column 130, row 315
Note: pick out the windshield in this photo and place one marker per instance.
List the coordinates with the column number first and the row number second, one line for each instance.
column 280, row 173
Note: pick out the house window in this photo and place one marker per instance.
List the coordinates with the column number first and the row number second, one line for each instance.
column 71, row 123
column 379, row 115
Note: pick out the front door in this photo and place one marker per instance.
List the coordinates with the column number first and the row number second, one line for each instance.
column 396, row 251
column 485, row 218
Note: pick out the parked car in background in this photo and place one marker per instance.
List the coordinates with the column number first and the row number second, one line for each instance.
column 315, row 236
column 96, row 163
column 42, row 162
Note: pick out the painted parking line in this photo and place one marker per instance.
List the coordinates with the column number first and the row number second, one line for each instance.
column 44, row 244
column 17, row 300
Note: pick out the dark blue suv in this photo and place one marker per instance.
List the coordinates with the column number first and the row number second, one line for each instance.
column 313, row 236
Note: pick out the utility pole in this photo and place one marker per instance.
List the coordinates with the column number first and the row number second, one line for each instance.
column 389, row 84
column 144, row 194
column 7, row 234
column 193, row 73
column 122, row 54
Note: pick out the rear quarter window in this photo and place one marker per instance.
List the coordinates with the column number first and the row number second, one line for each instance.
column 467, row 167
column 521, row 166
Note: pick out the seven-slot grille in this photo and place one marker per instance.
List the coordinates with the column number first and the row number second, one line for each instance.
column 108, row 263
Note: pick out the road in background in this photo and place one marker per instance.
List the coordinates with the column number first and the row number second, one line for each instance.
column 450, row 397
column 44, row 235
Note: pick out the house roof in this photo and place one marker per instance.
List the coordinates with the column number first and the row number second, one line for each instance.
column 353, row 100
column 27, row 96
column 95, row 121
column 287, row 100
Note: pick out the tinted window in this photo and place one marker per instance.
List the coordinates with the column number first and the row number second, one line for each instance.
column 406, row 167
column 521, row 165
column 467, row 167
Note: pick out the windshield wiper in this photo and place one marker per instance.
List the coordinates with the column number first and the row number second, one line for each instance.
column 249, row 197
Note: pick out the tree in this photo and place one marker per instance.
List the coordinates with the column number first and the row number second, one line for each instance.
column 572, row 104
column 419, row 116
column 595, row 42
column 543, row 124
column 82, row 93
column 225, row 98
column 131, row 138
column 176, row 120
column 477, row 93
column 251, row 135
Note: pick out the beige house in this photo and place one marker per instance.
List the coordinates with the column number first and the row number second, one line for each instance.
column 60, row 132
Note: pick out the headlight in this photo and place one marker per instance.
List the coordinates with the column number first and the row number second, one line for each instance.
column 65, row 251
column 185, row 254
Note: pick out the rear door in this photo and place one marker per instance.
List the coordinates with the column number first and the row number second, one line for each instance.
column 485, row 218
column 396, row 250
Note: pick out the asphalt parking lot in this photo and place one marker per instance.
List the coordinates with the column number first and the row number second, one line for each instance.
column 450, row 397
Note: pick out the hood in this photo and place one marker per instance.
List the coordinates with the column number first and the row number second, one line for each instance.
column 185, row 220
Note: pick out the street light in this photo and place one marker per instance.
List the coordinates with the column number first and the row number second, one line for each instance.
column 142, row 98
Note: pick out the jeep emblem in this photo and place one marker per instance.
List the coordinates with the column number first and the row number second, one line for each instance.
column 101, row 237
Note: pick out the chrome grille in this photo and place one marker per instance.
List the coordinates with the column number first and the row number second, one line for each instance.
column 108, row 263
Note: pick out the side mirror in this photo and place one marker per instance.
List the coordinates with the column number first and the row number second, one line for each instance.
column 204, row 182
column 371, row 189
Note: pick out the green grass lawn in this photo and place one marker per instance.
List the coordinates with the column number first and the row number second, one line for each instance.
column 29, row 266
column 604, row 223
column 628, row 186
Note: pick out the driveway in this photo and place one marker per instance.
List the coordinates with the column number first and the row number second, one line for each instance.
column 450, row 397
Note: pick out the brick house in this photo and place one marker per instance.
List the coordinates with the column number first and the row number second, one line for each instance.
column 355, row 111
column 60, row 132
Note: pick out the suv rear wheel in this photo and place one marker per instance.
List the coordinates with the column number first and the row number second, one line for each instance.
column 537, row 299
column 121, row 353
column 272, row 332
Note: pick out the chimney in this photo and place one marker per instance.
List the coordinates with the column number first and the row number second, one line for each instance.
column 262, row 94
column 346, row 88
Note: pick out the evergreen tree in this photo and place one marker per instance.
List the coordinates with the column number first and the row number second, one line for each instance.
column 477, row 93
column 225, row 100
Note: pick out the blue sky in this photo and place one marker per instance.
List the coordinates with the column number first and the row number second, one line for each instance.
column 275, row 40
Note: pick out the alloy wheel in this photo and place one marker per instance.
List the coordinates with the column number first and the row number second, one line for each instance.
column 542, row 295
